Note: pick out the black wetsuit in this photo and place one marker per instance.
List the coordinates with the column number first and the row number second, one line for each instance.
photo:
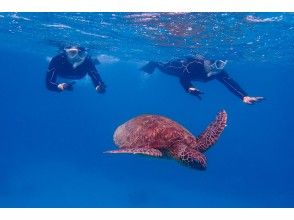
column 191, row 68
column 61, row 67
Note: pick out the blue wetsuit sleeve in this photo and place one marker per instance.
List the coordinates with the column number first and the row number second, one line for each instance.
column 93, row 73
column 51, row 76
column 231, row 84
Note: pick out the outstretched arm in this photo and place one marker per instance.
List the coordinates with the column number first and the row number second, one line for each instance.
column 236, row 89
column 186, row 82
column 96, row 79
column 51, row 78
column 231, row 84
column 188, row 86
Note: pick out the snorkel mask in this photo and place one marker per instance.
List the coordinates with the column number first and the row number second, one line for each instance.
column 216, row 67
column 76, row 55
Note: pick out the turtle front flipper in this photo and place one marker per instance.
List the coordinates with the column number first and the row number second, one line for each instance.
column 189, row 156
column 212, row 132
column 141, row 150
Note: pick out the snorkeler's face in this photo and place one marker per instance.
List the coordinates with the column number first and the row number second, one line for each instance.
column 215, row 67
column 74, row 54
column 220, row 64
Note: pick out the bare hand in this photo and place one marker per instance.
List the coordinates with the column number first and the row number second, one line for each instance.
column 251, row 100
column 64, row 86
column 100, row 88
column 196, row 92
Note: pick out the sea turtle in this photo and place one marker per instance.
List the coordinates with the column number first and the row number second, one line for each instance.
column 158, row 136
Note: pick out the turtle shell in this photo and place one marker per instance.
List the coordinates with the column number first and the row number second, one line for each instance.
column 152, row 131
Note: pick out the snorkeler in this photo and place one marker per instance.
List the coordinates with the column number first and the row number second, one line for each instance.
column 71, row 64
column 200, row 69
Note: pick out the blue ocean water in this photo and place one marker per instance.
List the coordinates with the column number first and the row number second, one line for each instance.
column 52, row 144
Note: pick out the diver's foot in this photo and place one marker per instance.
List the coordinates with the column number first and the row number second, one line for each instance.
column 251, row 100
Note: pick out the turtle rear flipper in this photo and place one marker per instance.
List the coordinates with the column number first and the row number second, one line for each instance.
column 212, row 132
column 141, row 150
column 189, row 157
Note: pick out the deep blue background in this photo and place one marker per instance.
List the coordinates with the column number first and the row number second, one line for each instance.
column 52, row 144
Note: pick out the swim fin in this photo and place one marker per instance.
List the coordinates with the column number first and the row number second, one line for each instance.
column 149, row 67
